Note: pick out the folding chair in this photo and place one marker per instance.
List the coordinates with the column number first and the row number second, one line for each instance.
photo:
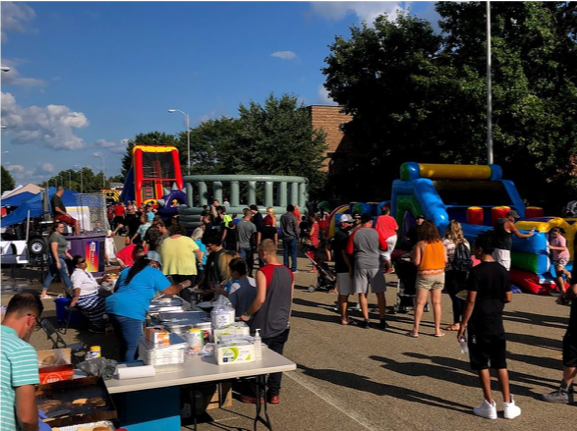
column 57, row 341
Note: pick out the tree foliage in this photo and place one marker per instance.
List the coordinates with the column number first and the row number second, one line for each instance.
column 7, row 180
column 420, row 96
column 275, row 138
column 83, row 180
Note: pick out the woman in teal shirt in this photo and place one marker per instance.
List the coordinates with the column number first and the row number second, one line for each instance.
column 127, row 308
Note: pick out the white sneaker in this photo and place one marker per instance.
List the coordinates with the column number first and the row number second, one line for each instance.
column 511, row 410
column 486, row 410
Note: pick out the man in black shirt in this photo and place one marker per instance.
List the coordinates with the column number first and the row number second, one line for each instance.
column 504, row 231
column 59, row 211
column 413, row 233
column 488, row 289
column 344, row 281
column 565, row 393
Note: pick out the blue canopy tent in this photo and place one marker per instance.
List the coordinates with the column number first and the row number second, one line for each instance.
column 34, row 204
column 16, row 200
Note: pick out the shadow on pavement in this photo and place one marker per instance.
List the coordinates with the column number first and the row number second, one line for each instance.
column 362, row 383
column 537, row 319
column 451, row 370
column 530, row 379
column 532, row 340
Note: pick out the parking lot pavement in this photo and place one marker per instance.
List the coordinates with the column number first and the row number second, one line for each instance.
column 350, row 378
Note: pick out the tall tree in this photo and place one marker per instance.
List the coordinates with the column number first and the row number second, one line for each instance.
column 417, row 95
column 7, row 180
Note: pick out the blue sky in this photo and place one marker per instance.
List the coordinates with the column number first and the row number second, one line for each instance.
column 86, row 76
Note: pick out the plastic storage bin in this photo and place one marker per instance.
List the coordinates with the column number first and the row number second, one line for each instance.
column 164, row 358
column 62, row 314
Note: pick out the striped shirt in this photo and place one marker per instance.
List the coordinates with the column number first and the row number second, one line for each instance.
column 19, row 367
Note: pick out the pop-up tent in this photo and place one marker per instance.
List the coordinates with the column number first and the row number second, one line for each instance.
column 34, row 205
column 16, row 200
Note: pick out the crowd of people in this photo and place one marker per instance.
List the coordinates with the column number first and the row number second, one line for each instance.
column 218, row 262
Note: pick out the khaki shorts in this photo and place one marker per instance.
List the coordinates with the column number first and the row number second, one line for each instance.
column 374, row 277
column 345, row 284
column 431, row 282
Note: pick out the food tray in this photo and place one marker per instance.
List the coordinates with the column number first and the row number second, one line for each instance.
column 67, row 391
column 89, row 426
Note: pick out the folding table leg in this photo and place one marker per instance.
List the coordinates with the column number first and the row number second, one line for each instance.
column 261, row 392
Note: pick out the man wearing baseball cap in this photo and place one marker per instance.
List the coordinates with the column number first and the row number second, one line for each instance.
column 504, row 230
column 344, row 282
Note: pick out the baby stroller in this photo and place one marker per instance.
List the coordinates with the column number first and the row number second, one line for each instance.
column 407, row 278
column 326, row 278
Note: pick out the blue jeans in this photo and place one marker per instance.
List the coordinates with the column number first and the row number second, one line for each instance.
column 128, row 331
column 290, row 248
column 53, row 269
column 247, row 255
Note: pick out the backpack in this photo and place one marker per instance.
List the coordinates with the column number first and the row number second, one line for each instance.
column 462, row 258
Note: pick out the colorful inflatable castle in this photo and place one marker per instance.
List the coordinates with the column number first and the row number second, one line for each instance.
column 155, row 177
column 477, row 196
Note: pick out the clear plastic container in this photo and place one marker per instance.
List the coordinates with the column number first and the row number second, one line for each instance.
column 164, row 358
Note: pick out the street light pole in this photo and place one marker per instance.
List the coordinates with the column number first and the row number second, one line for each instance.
column 69, row 180
column 489, row 95
column 187, row 134
column 81, row 182
column 103, row 169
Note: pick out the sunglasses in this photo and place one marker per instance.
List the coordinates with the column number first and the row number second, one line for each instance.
column 81, row 261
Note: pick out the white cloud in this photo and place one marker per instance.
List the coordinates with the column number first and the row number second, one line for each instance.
column 364, row 10
column 324, row 97
column 51, row 126
column 13, row 77
column 15, row 17
column 113, row 147
column 45, row 168
column 284, row 55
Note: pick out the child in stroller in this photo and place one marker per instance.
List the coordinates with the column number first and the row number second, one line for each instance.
column 319, row 258
column 407, row 278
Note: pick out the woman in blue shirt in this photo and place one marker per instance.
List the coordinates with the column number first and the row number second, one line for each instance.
column 127, row 308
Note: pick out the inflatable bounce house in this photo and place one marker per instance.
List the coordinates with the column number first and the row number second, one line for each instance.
column 477, row 196
column 155, row 177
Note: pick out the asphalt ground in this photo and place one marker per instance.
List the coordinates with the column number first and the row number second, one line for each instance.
column 350, row 378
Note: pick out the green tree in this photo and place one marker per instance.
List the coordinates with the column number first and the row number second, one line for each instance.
column 276, row 138
column 7, row 180
column 417, row 95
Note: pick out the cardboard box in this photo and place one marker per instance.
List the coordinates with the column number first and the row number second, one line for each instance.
column 232, row 329
column 234, row 353
column 55, row 365
column 158, row 336
column 207, row 396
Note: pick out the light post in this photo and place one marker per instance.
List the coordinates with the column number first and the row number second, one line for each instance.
column 489, row 96
column 81, row 182
column 103, row 169
column 171, row 111
column 69, row 180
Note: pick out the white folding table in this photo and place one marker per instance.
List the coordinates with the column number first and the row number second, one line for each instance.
column 153, row 403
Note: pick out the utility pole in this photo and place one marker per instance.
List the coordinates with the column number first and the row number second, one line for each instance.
column 489, row 95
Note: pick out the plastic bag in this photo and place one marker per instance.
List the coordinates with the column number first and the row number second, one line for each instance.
column 57, row 358
column 207, row 350
column 99, row 367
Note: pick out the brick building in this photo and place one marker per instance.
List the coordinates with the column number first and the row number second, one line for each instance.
column 329, row 119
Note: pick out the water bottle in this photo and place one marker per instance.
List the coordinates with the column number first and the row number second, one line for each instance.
column 257, row 345
column 463, row 344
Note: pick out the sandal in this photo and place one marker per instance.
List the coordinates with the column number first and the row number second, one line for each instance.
column 453, row 327
column 350, row 322
column 442, row 334
column 412, row 334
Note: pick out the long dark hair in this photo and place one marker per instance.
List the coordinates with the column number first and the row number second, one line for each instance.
column 138, row 266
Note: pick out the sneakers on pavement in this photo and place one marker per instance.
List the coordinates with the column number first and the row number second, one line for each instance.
column 486, row 410
column 560, row 396
column 273, row 399
column 511, row 410
column 365, row 324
